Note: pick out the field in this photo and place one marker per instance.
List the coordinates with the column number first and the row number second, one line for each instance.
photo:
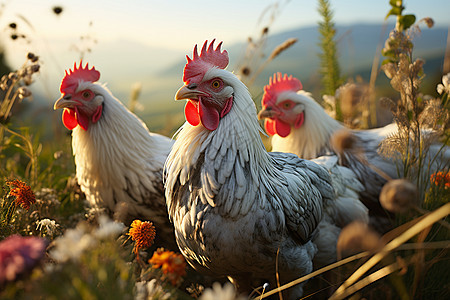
column 53, row 245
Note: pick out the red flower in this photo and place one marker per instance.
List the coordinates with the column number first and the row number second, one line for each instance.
column 23, row 193
column 441, row 178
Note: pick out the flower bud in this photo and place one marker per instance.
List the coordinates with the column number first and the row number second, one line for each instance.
column 35, row 68
column 357, row 237
column 23, row 92
column 398, row 195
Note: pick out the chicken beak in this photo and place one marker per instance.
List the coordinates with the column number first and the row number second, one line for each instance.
column 64, row 101
column 267, row 113
column 189, row 91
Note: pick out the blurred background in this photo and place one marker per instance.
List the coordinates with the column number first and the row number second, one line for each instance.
column 139, row 46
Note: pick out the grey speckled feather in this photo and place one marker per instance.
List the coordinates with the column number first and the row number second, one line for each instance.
column 234, row 205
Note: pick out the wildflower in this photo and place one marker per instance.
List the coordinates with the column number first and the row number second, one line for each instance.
column 108, row 227
column 18, row 255
column 217, row 292
column 34, row 68
column 72, row 244
column 32, row 57
column 397, row 195
column 49, row 225
column 172, row 264
column 428, row 21
column 330, row 105
column 444, row 87
column 23, row 92
column 142, row 233
column 357, row 237
column 441, row 178
column 151, row 290
column 23, row 193
column 282, row 47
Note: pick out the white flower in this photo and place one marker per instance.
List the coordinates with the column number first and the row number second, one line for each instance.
column 72, row 244
column 227, row 292
column 444, row 87
column 108, row 227
column 151, row 290
column 330, row 107
column 49, row 225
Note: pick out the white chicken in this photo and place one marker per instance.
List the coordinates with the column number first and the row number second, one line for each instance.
column 118, row 161
column 298, row 124
column 238, row 211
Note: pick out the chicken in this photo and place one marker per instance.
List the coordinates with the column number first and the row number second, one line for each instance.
column 238, row 210
column 298, row 124
column 119, row 163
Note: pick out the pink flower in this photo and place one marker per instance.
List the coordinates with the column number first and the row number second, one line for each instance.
column 19, row 255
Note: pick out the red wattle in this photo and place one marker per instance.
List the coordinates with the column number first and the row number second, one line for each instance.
column 98, row 113
column 208, row 115
column 227, row 107
column 299, row 121
column 283, row 129
column 191, row 113
column 69, row 119
column 82, row 120
column 270, row 126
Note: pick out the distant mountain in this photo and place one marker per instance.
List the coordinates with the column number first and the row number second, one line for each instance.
column 357, row 46
column 123, row 62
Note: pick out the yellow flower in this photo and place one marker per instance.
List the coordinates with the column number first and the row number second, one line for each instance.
column 172, row 264
column 23, row 193
column 142, row 233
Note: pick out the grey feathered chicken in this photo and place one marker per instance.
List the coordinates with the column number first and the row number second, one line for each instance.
column 237, row 209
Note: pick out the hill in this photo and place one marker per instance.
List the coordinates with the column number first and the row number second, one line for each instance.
column 357, row 44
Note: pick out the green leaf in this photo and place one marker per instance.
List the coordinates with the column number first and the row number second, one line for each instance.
column 388, row 53
column 386, row 61
column 407, row 21
column 395, row 11
column 393, row 3
column 410, row 115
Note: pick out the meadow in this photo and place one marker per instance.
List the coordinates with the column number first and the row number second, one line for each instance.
column 53, row 247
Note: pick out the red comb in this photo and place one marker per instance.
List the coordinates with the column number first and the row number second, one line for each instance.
column 72, row 78
column 278, row 84
column 197, row 66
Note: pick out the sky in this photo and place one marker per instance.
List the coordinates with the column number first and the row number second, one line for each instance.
column 178, row 24
column 172, row 25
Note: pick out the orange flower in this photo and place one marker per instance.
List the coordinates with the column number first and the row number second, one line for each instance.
column 172, row 264
column 142, row 233
column 441, row 178
column 23, row 193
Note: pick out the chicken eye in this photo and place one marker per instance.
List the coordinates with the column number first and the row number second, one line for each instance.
column 287, row 104
column 86, row 94
column 215, row 84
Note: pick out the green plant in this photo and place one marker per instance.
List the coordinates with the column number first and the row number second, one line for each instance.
column 329, row 65
column 421, row 120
